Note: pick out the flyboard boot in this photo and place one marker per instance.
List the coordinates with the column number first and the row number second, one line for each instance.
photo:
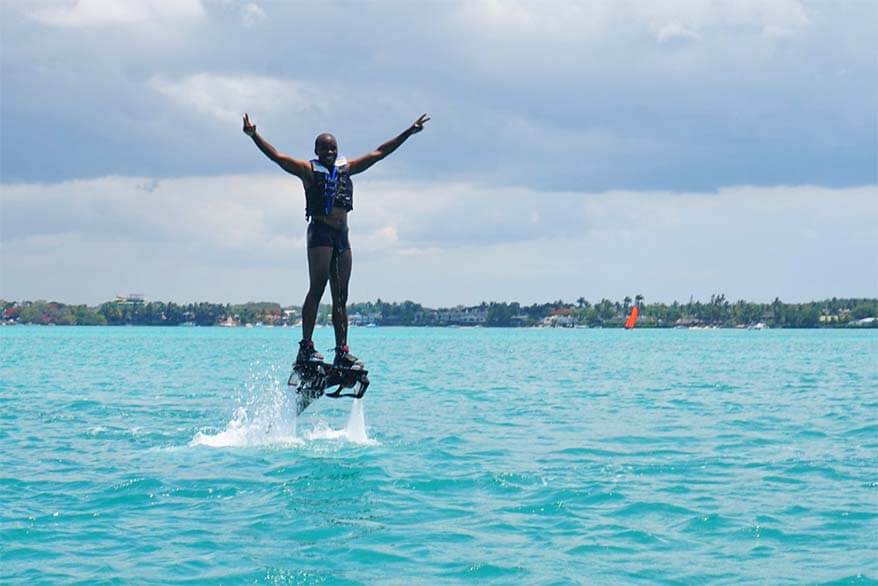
column 311, row 376
column 349, row 372
column 308, row 375
column 344, row 359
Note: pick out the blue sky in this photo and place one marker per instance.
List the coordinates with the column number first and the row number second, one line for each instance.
column 670, row 148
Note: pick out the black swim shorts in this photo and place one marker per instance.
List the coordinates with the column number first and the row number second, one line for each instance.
column 320, row 234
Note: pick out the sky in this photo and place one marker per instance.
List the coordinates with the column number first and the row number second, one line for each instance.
column 674, row 148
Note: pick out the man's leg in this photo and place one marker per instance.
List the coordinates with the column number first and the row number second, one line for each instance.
column 319, row 259
column 340, row 277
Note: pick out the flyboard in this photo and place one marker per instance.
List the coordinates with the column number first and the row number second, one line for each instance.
column 312, row 379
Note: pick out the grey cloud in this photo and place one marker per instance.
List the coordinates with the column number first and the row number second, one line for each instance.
column 740, row 105
column 245, row 222
column 438, row 243
column 426, row 215
column 92, row 14
column 675, row 35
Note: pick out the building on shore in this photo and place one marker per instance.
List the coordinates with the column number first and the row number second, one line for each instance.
column 131, row 299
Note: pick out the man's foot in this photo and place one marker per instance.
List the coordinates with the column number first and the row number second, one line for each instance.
column 344, row 358
column 307, row 353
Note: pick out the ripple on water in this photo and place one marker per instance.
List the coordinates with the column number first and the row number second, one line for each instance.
column 170, row 455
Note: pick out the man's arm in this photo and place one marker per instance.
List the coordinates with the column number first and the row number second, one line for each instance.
column 301, row 169
column 360, row 164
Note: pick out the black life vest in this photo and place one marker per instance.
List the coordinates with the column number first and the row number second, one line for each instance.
column 329, row 189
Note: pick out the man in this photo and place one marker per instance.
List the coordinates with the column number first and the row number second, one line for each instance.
column 328, row 200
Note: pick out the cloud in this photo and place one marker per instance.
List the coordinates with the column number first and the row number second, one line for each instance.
column 575, row 146
column 556, row 19
column 448, row 215
column 755, row 15
column 226, row 98
column 516, row 90
column 230, row 215
column 252, row 14
column 102, row 13
column 675, row 33
column 596, row 20
column 435, row 242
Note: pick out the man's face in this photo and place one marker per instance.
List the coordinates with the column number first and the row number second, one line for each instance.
column 326, row 149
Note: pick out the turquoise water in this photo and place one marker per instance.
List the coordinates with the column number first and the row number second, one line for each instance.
column 168, row 455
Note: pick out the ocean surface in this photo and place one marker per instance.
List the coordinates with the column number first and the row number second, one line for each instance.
column 527, row 456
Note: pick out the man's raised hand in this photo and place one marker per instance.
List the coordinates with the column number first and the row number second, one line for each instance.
column 249, row 127
column 418, row 125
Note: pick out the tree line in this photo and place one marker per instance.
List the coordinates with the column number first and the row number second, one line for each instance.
column 153, row 313
column 718, row 312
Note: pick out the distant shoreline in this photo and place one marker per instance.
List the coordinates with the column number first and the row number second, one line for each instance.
column 718, row 312
column 846, row 327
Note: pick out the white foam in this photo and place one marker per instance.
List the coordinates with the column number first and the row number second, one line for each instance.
column 322, row 431
column 244, row 431
column 268, row 417
column 265, row 416
column 354, row 432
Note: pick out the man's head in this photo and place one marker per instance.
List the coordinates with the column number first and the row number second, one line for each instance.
column 326, row 149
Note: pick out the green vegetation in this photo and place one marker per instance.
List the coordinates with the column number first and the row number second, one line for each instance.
column 154, row 313
column 51, row 312
column 717, row 312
